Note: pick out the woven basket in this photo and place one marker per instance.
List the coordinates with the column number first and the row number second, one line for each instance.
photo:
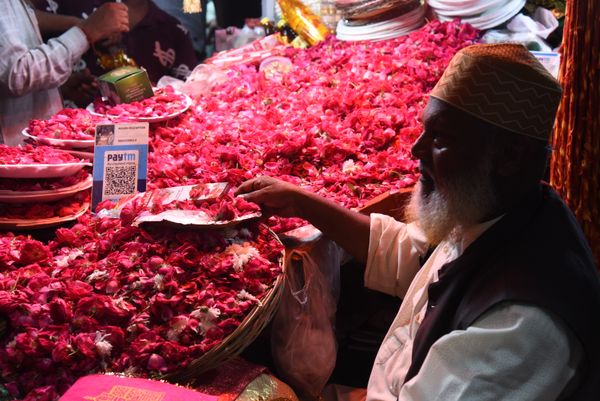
column 242, row 336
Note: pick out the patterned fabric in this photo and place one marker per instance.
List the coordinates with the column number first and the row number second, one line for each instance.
column 229, row 379
column 502, row 84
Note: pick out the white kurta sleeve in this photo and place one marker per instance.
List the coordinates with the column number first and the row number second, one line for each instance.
column 394, row 251
column 48, row 65
column 26, row 64
column 513, row 352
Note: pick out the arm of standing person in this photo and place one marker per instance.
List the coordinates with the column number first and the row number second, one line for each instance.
column 51, row 24
column 24, row 69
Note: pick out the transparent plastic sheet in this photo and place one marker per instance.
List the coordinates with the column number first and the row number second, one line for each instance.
column 167, row 80
column 303, row 339
column 202, row 79
column 233, row 37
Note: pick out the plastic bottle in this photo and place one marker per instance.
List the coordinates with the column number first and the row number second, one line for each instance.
column 303, row 21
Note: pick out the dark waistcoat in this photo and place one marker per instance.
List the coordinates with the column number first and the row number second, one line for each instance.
column 534, row 255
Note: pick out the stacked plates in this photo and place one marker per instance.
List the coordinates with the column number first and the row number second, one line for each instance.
column 9, row 196
column 34, row 196
column 83, row 148
column 377, row 29
column 482, row 14
column 71, row 130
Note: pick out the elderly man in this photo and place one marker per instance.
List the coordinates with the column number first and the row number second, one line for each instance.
column 506, row 306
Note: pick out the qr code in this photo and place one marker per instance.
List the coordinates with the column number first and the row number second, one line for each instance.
column 120, row 180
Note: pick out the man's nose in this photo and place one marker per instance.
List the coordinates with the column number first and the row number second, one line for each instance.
column 420, row 147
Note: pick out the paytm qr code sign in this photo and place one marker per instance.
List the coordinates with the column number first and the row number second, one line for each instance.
column 120, row 173
column 120, row 161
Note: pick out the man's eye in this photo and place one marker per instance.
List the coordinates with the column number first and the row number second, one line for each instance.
column 441, row 140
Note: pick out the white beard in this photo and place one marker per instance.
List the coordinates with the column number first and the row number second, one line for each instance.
column 464, row 201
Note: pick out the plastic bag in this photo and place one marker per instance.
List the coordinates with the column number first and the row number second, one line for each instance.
column 303, row 340
column 528, row 39
column 542, row 24
column 529, row 31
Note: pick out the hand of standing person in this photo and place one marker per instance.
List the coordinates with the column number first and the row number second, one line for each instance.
column 81, row 88
column 109, row 19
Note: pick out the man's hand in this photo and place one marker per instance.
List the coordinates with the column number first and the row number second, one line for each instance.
column 81, row 88
column 274, row 196
column 348, row 228
column 109, row 19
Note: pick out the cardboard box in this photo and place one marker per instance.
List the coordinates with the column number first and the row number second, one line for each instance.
column 125, row 85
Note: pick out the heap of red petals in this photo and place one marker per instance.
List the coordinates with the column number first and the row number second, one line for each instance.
column 165, row 102
column 220, row 209
column 341, row 123
column 77, row 124
column 20, row 251
column 108, row 297
column 29, row 154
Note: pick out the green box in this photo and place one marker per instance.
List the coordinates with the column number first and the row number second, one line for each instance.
column 125, row 85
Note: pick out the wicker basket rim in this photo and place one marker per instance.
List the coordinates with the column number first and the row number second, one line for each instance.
column 243, row 335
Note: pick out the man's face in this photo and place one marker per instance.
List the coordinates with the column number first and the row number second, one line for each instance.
column 456, row 163
column 451, row 145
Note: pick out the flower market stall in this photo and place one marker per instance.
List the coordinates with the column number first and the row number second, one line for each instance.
column 104, row 295
column 107, row 294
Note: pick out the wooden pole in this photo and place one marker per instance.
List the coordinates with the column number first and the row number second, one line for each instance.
column 575, row 164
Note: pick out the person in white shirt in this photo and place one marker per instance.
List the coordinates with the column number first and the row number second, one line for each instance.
column 31, row 71
column 482, row 318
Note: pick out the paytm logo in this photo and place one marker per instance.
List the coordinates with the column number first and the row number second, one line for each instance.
column 116, row 157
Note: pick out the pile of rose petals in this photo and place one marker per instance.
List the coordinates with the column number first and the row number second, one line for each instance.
column 340, row 123
column 221, row 209
column 105, row 296
column 165, row 102
column 70, row 124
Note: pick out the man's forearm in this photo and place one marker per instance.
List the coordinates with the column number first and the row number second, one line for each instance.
column 53, row 24
column 347, row 228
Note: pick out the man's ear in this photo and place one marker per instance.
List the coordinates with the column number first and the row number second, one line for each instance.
column 511, row 157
